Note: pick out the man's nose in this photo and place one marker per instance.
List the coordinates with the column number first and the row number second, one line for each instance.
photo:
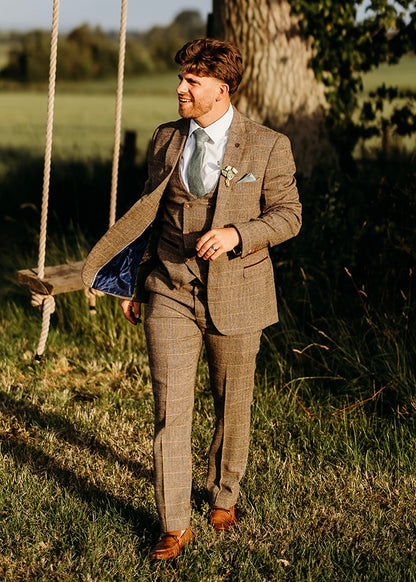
column 181, row 88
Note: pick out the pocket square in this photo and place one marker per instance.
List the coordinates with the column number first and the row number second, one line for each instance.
column 247, row 178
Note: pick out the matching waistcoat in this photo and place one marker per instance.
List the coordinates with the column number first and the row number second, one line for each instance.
column 183, row 219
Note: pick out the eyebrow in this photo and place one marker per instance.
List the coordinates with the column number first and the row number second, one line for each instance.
column 194, row 78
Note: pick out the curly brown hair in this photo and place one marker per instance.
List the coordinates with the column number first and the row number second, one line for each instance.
column 208, row 57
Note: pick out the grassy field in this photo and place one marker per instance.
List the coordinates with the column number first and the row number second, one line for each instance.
column 329, row 493
column 330, row 486
column 84, row 112
column 401, row 75
column 84, row 116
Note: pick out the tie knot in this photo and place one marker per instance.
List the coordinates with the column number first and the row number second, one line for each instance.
column 200, row 136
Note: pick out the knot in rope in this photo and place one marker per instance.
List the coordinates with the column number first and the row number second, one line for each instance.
column 37, row 300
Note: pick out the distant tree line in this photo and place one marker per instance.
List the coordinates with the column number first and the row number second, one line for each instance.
column 91, row 53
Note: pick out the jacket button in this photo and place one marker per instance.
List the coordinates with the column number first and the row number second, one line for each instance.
column 187, row 205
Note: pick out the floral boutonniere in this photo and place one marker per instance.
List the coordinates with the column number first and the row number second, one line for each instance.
column 228, row 172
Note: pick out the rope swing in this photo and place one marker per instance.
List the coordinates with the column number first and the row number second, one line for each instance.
column 119, row 105
column 45, row 282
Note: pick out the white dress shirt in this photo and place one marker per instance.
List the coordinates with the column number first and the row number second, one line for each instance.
column 214, row 149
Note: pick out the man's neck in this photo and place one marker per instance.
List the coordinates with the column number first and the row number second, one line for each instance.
column 216, row 129
column 213, row 116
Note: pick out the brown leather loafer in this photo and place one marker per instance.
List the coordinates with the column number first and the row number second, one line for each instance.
column 222, row 519
column 170, row 544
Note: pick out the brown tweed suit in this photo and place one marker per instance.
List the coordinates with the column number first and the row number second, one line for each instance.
column 227, row 311
column 177, row 320
column 266, row 212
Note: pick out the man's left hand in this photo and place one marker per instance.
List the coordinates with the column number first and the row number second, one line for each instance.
column 217, row 241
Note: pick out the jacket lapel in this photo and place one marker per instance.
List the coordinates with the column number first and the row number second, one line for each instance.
column 233, row 156
column 112, row 264
column 176, row 146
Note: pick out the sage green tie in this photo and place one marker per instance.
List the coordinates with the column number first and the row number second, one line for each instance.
column 194, row 172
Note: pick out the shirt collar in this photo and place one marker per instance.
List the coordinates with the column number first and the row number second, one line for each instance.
column 218, row 129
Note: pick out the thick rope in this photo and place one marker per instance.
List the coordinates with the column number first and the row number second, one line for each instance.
column 37, row 300
column 47, row 303
column 48, row 145
column 92, row 295
column 48, row 307
column 119, row 103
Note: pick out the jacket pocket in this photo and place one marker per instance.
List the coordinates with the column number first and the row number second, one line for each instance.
column 257, row 268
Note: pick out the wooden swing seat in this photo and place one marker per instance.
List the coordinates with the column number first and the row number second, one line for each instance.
column 57, row 279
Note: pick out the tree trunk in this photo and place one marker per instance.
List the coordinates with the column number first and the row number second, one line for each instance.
column 279, row 88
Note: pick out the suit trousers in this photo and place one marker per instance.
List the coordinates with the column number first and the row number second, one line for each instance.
column 176, row 324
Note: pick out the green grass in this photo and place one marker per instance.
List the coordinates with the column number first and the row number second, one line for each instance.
column 330, row 486
column 326, row 496
column 84, row 116
column 401, row 75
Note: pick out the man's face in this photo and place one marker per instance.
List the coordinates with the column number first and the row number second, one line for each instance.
column 200, row 98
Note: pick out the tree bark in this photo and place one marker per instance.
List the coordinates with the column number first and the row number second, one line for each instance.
column 279, row 88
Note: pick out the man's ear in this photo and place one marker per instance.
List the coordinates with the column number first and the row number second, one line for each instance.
column 223, row 92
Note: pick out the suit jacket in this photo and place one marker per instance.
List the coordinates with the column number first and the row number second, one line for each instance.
column 265, row 211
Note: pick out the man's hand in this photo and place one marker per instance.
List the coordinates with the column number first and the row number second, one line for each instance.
column 131, row 310
column 215, row 242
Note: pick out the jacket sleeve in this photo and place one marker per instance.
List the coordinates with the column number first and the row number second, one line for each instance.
column 280, row 217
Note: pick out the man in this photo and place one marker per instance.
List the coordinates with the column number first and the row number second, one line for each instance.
column 221, row 191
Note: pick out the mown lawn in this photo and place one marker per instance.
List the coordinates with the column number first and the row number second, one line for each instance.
column 328, row 494
column 84, row 116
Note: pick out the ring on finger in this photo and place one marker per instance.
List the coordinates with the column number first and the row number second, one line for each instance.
column 214, row 248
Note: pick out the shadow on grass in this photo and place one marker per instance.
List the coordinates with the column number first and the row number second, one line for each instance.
column 13, row 443
column 66, row 431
